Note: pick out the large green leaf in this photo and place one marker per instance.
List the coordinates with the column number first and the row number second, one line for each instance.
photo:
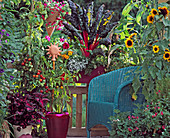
column 127, row 9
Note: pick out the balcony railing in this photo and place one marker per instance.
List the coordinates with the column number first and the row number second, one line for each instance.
column 78, row 130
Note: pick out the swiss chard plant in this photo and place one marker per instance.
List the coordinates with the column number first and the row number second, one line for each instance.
column 89, row 32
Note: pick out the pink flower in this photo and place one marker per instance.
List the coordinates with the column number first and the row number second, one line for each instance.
column 129, row 117
column 65, row 45
column 47, row 37
column 45, row 4
column 156, row 92
column 153, row 116
column 133, row 117
column 156, row 114
column 130, row 130
column 163, row 127
column 61, row 39
column 137, row 117
column 147, row 106
column 43, row 17
column 155, row 107
column 161, row 113
column 158, row 107
column 159, row 91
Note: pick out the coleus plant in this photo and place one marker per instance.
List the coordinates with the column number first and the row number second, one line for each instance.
column 89, row 32
column 26, row 108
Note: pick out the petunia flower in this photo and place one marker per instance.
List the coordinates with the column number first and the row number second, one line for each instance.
column 47, row 37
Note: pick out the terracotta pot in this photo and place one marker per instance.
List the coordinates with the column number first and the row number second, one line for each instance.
column 24, row 131
column 87, row 78
column 57, row 125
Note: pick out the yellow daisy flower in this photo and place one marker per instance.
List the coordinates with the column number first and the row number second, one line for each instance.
column 129, row 43
column 166, row 50
column 155, row 49
column 150, row 18
column 166, row 56
column 164, row 11
column 154, row 12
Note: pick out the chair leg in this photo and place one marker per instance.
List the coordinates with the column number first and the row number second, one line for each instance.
column 88, row 133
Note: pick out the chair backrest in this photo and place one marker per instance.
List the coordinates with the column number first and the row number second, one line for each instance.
column 103, row 87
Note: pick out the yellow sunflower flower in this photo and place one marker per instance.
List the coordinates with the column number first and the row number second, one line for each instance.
column 154, row 12
column 164, row 11
column 155, row 49
column 129, row 43
column 166, row 50
column 166, row 56
column 150, row 18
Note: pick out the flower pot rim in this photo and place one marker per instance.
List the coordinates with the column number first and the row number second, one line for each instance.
column 55, row 114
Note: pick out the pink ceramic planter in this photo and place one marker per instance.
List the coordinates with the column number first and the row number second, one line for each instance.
column 57, row 125
column 87, row 78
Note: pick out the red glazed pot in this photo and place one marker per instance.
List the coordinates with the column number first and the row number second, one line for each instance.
column 57, row 125
column 87, row 78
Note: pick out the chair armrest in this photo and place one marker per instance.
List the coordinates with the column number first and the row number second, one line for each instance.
column 116, row 98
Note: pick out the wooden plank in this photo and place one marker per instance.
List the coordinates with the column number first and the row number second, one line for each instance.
column 79, row 111
column 71, row 114
column 75, row 132
column 78, row 90
column 160, row 1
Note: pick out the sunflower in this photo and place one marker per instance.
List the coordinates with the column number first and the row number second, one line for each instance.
column 132, row 35
column 154, row 12
column 129, row 43
column 164, row 11
column 166, row 50
column 155, row 49
column 150, row 18
column 166, row 56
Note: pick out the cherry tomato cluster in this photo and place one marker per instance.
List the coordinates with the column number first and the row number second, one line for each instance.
column 27, row 61
column 41, row 78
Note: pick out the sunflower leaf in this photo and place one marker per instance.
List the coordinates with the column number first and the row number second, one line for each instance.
column 159, row 64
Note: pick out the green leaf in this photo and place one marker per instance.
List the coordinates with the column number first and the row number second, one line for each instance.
column 167, row 33
column 166, row 22
column 159, row 64
column 136, row 84
column 127, row 9
column 152, row 72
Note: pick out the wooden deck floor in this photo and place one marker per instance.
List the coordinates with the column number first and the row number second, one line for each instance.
column 91, row 137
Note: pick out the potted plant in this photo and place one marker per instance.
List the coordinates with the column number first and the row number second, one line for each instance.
column 58, row 79
column 25, row 110
column 87, row 35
